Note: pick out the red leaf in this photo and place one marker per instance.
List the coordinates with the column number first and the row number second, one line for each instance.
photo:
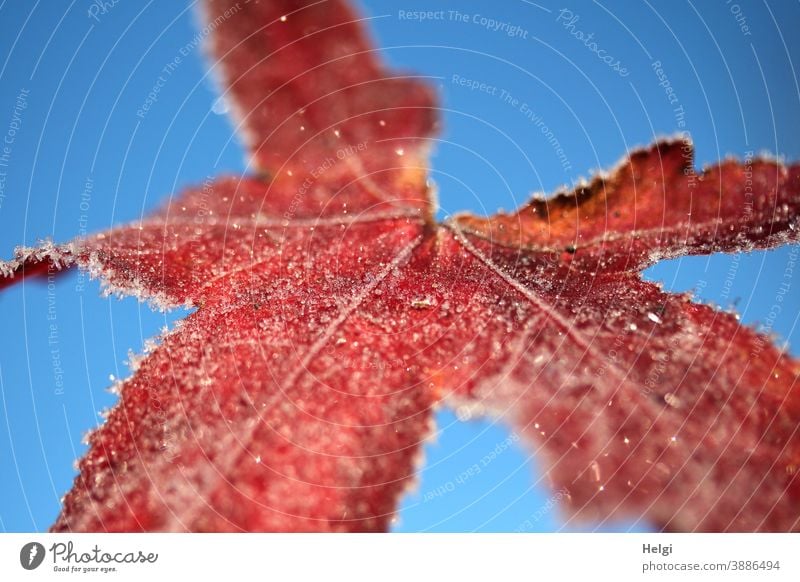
column 333, row 314
column 307, row 85
column 654, row 206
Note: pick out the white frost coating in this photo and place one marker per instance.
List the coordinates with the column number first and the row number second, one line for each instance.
column 476, row 407
column 116, row 387
column 135, row 360
column 770, row 157
column 61, row 256
column 470, row 410
column 157, row 300
column 605, row 174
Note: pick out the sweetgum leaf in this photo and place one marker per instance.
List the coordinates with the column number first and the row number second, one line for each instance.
column 333, row 315
column 655, row 206
column 306, row 84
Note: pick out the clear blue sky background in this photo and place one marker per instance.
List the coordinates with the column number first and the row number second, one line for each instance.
column 86, row 79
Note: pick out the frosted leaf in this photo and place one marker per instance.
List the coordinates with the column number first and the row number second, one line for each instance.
column 333, row 315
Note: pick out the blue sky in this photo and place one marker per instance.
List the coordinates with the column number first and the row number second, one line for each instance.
column 82, row 160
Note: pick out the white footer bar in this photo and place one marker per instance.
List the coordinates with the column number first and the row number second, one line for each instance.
column 402, row 557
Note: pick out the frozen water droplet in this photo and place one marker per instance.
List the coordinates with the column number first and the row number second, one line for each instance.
column 654, row 318
column 596, row 470
column 467, row 412
column 221, row 106
column 422, row 303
